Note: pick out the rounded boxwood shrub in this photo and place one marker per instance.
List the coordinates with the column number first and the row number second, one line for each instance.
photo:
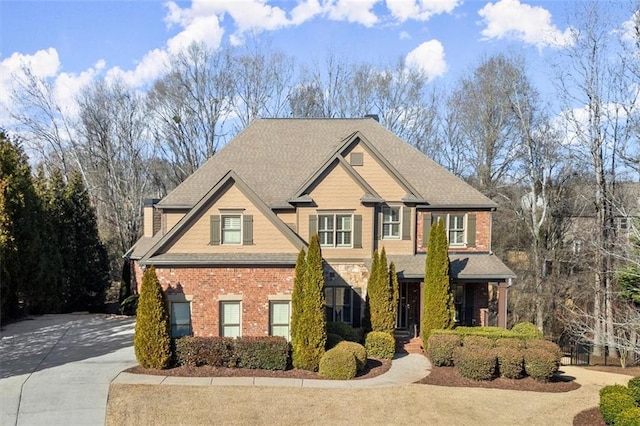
column 634, row 388
column 540, row 364
column 343, row 330
column 441, row 348
column 358, row 351
column 380, row 345
column 338, row 364
column 476, row 363
column 266, row 353
column 614, row 403
column 528, row 329
column 510, row 342
column 547, row 346
column 333, row 340
column 478, row 341
column 510, row 362
column 612, row 389
column 628, row 417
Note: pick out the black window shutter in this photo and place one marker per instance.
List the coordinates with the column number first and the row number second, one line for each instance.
column 357, row 231
column 426, row 228
column 214, row 230
column 247, row 229
column 406, row 223
column 357, row 306
column 471, row 230
column 380, row 223
column 313, row 226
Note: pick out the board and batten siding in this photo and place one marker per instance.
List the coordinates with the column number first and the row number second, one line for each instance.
column 267, row 238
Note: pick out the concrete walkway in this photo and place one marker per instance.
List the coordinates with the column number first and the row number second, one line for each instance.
column 404, row 369
column 56, row 369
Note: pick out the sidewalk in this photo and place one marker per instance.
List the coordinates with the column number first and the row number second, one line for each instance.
column 404, row 369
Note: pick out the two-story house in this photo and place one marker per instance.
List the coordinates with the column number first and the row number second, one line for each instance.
column 224, row 242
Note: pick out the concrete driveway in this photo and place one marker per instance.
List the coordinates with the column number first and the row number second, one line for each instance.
column 56, row 369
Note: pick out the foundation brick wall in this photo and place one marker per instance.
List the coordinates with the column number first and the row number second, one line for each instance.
column 206, row 285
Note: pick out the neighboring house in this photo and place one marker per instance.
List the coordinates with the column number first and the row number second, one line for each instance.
column 224, row 242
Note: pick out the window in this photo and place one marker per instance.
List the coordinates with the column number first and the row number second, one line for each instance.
column 279, row 318
column 230, row 319
column 180, row 319
column 334, row 230
column 231, row 232
column 454, row 224
column 391, row 222
column 338, row 303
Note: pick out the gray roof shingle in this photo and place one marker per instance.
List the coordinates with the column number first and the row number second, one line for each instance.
column 480, row 266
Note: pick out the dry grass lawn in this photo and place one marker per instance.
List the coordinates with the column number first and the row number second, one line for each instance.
column 406, row 404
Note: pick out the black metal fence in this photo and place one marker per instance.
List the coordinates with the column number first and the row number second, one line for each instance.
column 575, row 353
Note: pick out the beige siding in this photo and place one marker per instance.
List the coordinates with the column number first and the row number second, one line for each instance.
column 400, row 246
column 379, row 179
column 266, row 237
column 290, row 219
column 171, row 219
column 148, row 221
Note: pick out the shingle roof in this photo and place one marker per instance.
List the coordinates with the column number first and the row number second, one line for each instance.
column 276, row 156
column 480, row 266
column 142, row 246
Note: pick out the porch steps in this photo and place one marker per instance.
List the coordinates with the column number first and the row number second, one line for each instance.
column 405, row 343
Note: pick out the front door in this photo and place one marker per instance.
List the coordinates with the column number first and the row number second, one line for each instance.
column 408, row 306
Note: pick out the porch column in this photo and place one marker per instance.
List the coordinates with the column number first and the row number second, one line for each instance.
column 502, row 304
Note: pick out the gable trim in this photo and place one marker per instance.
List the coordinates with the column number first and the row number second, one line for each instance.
column 229, row 178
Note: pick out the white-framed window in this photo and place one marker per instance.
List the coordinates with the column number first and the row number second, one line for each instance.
column 335, row 230
column 338, row 304
column 230, row 316
column 391, row 222
column 455, row 226
column 279, row 318
column 231, row 226
column 180, row 319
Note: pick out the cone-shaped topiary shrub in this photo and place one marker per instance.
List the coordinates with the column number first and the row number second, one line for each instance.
column 152, row 340
column 358, row 351
column 380, row 345
column 297, row 306
column 338, row 364
column 614, row 403
column 441, row 348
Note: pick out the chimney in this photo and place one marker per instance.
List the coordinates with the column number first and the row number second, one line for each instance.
column 374, row 116
column 151, row 217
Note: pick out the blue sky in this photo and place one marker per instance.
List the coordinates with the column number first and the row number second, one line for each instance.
column 73, row 42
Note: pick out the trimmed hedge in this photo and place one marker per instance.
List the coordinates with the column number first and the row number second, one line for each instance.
column 358, row 351
column 268, row 353
column 478, row 341
column 628, row 417
column 510, row 342
column 343, row 330
column 490, row 332
column 612, row 389
column 476, row 363
column 634, row 388
column 338, row 364
column 333, row 340
column 539, row 363
column 510, row 362
column 614, row 403
column 527, row 329
column 380, row 345
column 441, row 348
column 547, row 346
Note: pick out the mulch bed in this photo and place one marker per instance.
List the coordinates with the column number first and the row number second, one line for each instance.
column 375, row 367
column 589, row 417
column 449, row 376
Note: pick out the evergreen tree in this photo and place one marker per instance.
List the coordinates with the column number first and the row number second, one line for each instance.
column 297, row 308
column 371, row 283
column 438, row 311
column 395, row 295
column 313, row 323
column 152, row 340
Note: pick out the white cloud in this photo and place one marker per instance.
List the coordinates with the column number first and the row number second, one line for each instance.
column 357, row 11
column 153, row 65
column 530, row 24
column 629, row 28
column 420, row 10
column 43, row 64
column 305, row 11
column 404, row 35
column 205, row 30
column 429, row 58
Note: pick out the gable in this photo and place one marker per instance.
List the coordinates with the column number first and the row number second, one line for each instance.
column 335, row 188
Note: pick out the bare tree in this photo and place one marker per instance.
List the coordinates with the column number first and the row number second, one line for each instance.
column 190, row 106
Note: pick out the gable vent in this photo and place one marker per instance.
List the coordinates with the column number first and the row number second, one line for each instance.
column 356, row 159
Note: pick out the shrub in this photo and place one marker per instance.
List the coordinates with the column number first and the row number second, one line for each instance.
column 510, row 362
column 441, row 348
column 380, row 345
column 343, row 330
column 267, row 353
column 540, row 363
column 129, row 305
column 478, row 341
column 628, row 417
column 634, row 388
column 188, row 351
column 510, row 342
column 213, row 351
column 338, row 364
column 476, row 363
column 490, row 332
column 152, row 339
column 527, row 329
column 612, row 389
column 547, row 346
column 614, row 403
column 333, row 340
column 358, row 351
